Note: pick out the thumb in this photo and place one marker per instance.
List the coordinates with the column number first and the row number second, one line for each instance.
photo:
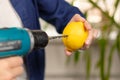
column 68, row 53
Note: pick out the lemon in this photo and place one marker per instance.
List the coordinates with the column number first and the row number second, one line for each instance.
column 77, row 35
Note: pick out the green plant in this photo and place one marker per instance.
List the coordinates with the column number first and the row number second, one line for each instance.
column 104, row 42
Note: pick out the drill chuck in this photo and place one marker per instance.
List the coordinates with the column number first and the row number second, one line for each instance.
column 40, row 39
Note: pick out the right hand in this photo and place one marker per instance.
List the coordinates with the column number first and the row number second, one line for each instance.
column 10, row 68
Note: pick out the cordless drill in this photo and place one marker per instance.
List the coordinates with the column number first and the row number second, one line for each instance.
column 20, row 41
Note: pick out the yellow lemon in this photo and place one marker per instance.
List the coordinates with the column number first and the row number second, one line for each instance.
column 77, row 35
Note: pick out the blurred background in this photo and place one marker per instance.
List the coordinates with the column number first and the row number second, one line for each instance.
column 102, row 60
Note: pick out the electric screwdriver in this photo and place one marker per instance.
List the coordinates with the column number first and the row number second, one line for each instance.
column 20, row 41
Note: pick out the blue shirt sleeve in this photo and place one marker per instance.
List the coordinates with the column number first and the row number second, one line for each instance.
column 57, row 12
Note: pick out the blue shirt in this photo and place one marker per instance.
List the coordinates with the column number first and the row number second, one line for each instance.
column 56, row 12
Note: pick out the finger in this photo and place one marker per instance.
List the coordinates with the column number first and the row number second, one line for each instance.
column 7, row 75
column 83, row 47
column 14, row 61
column 68, row 53
column 17, row 71
column 92, row 35
column 77, row 17
column 87, row 26
column 89, row 39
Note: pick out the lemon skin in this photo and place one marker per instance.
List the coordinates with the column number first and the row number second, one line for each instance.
column 77, row 34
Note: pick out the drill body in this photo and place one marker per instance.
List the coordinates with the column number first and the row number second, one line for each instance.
column 20, row 41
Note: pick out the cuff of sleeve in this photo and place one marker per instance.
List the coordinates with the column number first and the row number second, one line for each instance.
column 68, row 18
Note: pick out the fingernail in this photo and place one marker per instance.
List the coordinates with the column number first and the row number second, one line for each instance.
column 68, row 53
column 87, row 42
column 88, row 27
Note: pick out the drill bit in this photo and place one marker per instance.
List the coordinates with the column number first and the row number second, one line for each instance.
column 57, row 37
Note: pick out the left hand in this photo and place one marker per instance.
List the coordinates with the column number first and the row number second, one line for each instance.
column 11, row 67
column 92, row 33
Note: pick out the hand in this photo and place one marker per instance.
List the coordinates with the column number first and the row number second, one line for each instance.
column 91, row 35
column 10, row 68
